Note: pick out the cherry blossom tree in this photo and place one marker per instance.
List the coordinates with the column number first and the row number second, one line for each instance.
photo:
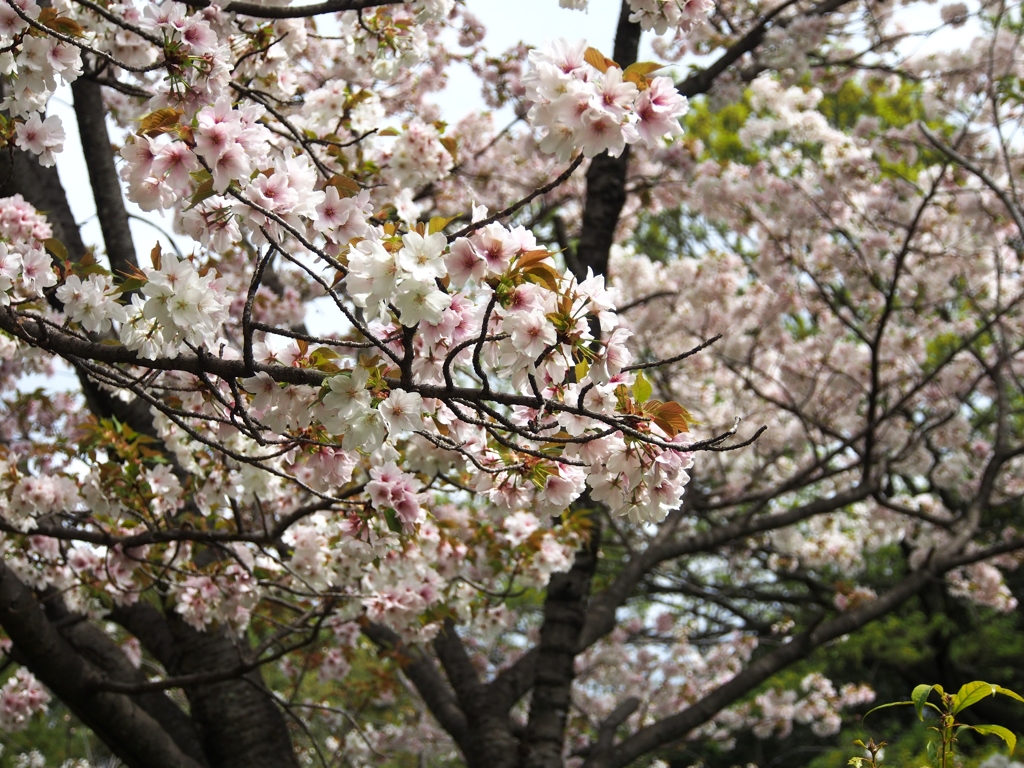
column 467, row 475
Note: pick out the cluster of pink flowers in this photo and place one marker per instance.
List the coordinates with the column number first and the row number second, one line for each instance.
column 390, row 488
column 25, row 266
column 984, row 584
column 585, row 108
column 34, row 64
column 32, row 497
column 227, row 598
column 200, row 73
column 660, row 15
column 777, row 710
column 20, row 698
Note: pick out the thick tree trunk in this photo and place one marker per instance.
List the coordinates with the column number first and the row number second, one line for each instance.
column 238, row 722
column 130, row 730
column 565, row 611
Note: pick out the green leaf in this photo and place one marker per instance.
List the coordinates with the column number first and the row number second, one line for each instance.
column 322, row 353
column 920, row 697
column 203, row 191
column 1011, row 694
column 130, row 285
column 321, row 358
column 886, row 706
column 582, row 369
column 56, row 247
column 997, row 730
column 972, row 693
column 438, row 223
column 393, row 520
column 642, row 388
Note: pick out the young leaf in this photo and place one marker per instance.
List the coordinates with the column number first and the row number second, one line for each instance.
column 159, row 121
column 920, row 698
column 997, row 730
column 672, row 418
column 642, row 388
column 56, row 247
column 322, row 355
column 438, row 223
column 452, row 145
column 886, row 706
column 972, row 693
column 643, row 68
column 597, row 60
column 531, row 257
column 49, row 17
column 130, row 285
column 1011, row 694
column 203, row 191
column 543, row 274
column 393, row 520
column 346, row 187
column 582, row 369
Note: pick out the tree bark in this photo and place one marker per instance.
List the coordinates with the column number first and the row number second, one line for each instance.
column 565, row 609
column 132, row 733
column 103, row 178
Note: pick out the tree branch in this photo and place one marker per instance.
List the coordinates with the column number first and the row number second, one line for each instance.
column 103, row 178
column 130, row 732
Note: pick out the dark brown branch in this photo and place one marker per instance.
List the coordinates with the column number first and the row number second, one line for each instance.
column 564, row 617
column 130, row 732
column 489, row 740
column 601, row 613
column 559, row 180
column 259, row 11
column 418, row 667
column 103, row 178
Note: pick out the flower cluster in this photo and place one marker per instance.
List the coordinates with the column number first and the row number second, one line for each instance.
column 775, row 711
column 25, row 266
column 587, row 103
column 20, row 698
column 197, row 67
column 660, row 15
column 91, row 302
column 663, row 15
column 44, row 138
column 32, row 61
column 178, row 306
column 228, row 598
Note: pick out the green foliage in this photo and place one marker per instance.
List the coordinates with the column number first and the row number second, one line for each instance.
column 719, row 130
column 942, row 751
column 57, row 735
